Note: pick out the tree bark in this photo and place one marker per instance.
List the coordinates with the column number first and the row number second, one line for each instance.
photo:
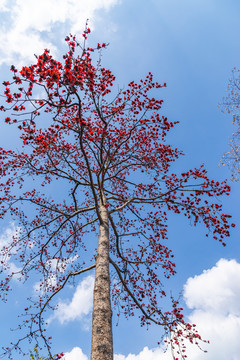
column 102, row 343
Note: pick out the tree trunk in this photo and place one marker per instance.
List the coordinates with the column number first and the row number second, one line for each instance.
column 102, row 343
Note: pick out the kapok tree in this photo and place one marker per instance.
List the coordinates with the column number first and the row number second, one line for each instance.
column 93, row 163
column 231, row 104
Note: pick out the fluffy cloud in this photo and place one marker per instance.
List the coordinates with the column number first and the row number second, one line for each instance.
column 146, row 354
column 79, row 306
column 75, row 354
column 213, row 298
column 216, row 290
column 27, row 26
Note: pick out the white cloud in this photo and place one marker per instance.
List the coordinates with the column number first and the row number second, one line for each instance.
column 6, row 239
column 26, row 26
column 145, row 354
column 79, row 306
column 43, row 286
column 7, row 235
column 216, row 290
column 60, row 265
column 53, row 266
column 214, row 297
column 75, row 354
column 3, row 5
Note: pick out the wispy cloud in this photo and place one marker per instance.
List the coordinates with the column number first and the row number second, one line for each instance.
column 53, row 266
column 6, row 238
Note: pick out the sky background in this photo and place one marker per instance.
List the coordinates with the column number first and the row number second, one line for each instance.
column 192, row 45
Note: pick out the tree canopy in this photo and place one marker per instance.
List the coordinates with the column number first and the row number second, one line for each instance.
column 94, row 163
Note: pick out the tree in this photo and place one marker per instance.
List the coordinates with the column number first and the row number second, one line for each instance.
column 231, row 103
column 103, row 165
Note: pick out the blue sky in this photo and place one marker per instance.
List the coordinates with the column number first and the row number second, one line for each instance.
column 192, row 46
